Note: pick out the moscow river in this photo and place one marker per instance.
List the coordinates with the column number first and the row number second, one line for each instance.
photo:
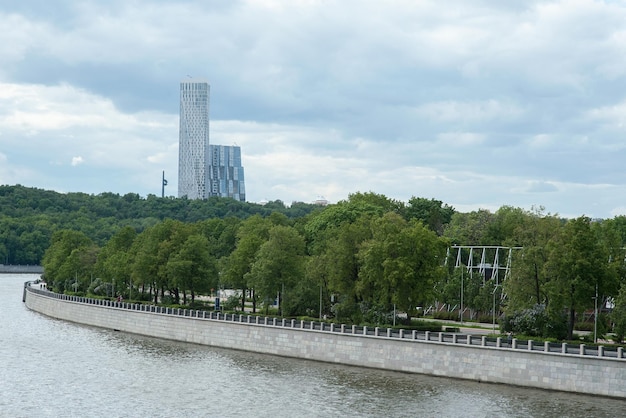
column 52, row 368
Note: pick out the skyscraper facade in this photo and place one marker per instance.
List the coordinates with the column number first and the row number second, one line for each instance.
column 226, row 177
column 193, row 142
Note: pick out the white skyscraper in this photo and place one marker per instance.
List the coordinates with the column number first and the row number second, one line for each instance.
column 193, row 142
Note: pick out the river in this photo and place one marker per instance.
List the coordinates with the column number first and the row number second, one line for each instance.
column 52, row 368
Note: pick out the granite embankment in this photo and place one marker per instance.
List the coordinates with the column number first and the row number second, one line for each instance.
column 20, row 269
column 598, row 371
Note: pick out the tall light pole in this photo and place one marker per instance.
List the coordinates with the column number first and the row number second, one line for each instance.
column 495, row 288
column 461, row 295
column 163, row 184
column 595, row 316
column 320, row 302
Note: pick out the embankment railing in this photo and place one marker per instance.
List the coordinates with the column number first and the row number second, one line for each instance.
column 354, row 330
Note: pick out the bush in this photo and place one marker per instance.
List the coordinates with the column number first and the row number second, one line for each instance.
column 535, row 322
column 420, row 325
column 232, row 303
column 346, row 311
column 485, row 319
column 584, row 326
column 79, row 293
column 445, row 315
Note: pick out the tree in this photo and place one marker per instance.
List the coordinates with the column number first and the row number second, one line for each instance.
column 278, row 265
column 144, row 268
column 577, row 265
column 193, row 268
column 400, row 264
column 70, row 257
column 618, row 315
column 152, row 251
column 434, row 214
column 113, row 263
column 338, row 266
column 470, row 228
column 252, row 233
column 526, row 286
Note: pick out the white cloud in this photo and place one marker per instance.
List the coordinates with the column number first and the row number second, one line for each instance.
column 454, row 111
column 460, row 139
column 614, row 116
column 477, row 104
column 77, row 161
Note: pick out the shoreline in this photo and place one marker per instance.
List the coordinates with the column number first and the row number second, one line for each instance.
column 576, row 369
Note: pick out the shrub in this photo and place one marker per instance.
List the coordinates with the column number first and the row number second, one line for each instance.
column 535, row 322
column 232, row 303
column 445, row 315
column 485, row 319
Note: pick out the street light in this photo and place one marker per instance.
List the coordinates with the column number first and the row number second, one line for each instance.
column 461, row 295
column 495, row 288
column 595, row 317
column 320, row 302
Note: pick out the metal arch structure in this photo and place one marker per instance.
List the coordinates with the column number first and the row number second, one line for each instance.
column 484, row 259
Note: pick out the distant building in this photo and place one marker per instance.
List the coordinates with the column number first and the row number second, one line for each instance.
column 204, row 170
column 193, row 142
column 321, row 201
column 226, row 177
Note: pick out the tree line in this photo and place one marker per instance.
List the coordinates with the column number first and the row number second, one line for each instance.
column 362, row 260
column 30, row 216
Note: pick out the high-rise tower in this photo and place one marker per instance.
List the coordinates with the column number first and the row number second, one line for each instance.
column 226, row 172
column 193, row 142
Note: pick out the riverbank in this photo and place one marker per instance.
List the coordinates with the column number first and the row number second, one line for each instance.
column 20, row 269
column 439, row 354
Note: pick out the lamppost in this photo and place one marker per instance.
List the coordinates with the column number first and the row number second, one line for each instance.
column 320, row 302
column 495, row 288
column 461, row 295
column 595, row 317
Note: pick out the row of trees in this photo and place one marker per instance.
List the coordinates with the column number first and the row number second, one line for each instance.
column 29, row 216
column 360, row 260
column 335, row 252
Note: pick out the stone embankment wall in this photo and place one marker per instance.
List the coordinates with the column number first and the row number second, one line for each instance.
column 20, row 269
column 460, row 358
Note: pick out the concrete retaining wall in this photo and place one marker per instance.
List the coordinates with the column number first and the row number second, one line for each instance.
column 547, row 370
column 20, row 269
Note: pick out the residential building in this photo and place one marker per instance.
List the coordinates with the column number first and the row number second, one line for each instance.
column 226, row 177
column 193, row 143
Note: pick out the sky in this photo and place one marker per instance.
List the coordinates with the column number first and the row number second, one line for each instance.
column 476, row 103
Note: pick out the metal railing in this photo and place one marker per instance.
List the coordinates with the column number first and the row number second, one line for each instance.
column 482, row 341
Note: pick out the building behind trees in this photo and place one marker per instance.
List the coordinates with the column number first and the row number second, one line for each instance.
column 204, row 170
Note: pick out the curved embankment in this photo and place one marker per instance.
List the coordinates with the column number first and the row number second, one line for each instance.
column 434, row 354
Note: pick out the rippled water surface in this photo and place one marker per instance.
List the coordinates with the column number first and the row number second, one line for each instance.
column 51, row 368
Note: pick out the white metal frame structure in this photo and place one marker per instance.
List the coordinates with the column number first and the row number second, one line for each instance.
column 490, row 257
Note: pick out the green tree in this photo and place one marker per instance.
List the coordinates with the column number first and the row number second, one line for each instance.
column 278, row 264
column 432, row 213
column 470, row 228
column 618, row 315
column 113, row 263
column 152, row 251
column 193, row 268
column 577, row 265
column 70, row 259
column 400, row 264
column 339, row 266
column 252, row 233
column 526, row 286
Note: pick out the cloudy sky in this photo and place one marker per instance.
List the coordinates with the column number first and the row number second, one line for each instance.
column 475, row 103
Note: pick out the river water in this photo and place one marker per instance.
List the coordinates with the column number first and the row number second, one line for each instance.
column 52, row 368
